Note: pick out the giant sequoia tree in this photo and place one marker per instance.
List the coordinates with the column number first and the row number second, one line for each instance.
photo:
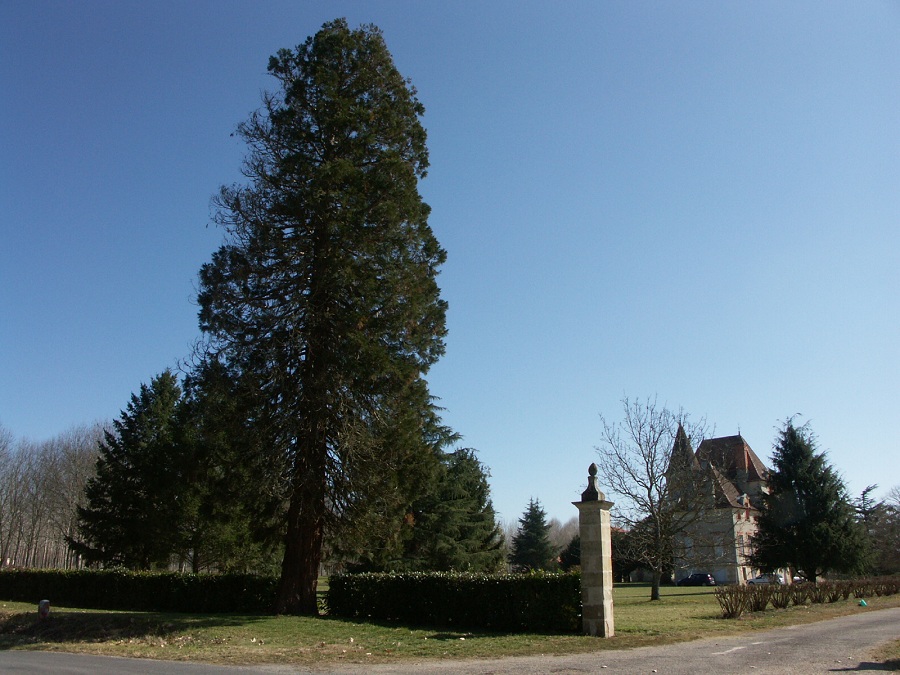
column 325, row 291
column 807, row 521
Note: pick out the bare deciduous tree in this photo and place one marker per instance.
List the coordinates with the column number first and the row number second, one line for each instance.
column 41, row 484
column 884, row 534
column 563, row 533
column 659, row 496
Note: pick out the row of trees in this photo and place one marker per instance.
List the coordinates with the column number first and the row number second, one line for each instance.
column 181, row 479
column 41, row 485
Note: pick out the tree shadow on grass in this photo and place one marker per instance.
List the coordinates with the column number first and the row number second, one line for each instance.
column 63, row 626
column 449, row 633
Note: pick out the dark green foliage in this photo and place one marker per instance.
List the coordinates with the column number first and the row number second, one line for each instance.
column 531, row 546
column 570, row 556
column 179, row 481
column 133, row 502
column 536, row 602
column 807, row 521
column 378, row 523
column 866, row 507
column 232, row 489
column 140, row 591
column 455, row 527
column 623, row 560
column 449, row 523
column 325, row 293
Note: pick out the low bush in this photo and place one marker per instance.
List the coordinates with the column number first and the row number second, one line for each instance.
column 759, row 597
column 735, row 600
column 818, row 592
column 781, row 596
column 537, row 602
column 732, row 600
column 140, row 591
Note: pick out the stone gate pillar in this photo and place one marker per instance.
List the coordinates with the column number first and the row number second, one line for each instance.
column 596, row 560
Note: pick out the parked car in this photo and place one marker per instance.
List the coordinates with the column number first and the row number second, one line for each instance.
column 698, row 579
column 766, row 579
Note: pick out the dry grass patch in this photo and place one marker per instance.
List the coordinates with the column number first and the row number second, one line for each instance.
column 888, row 656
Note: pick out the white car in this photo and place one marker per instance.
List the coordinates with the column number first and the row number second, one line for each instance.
column 766, row 579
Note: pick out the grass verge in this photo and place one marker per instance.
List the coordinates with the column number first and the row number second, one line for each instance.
column 682, row 614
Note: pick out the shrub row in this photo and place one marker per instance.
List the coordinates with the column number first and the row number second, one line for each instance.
column 140, row 591
column 537, row 602
column 735, row 600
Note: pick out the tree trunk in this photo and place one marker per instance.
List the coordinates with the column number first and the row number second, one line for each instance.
column 304, row 538
column 300, row 567
column 654, row 585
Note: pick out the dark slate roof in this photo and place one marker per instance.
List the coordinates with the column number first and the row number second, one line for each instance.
column 682, row 455
column 727, row 493
column 730, row 455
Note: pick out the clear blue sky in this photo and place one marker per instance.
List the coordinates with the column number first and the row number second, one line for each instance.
column 697, row 200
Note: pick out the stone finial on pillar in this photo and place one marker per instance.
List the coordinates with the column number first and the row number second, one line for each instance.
column 596, row 560
column 592, row 494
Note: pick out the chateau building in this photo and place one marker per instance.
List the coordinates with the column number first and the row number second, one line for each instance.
column 733, row 481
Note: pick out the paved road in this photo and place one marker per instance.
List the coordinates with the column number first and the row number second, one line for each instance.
column 835, row 646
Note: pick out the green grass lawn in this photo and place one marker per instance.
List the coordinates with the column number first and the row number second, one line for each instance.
column 681, row 614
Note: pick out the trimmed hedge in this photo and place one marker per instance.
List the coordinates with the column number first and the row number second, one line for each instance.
column 141, row 591
column 537, row 602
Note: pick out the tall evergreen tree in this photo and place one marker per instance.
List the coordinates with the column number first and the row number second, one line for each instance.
column 232, row 491
column 531, row 548
column 807, row 520
column 379, row 517
column 325, row 291
column 455, row 526
column 178, row 481
column 133, row 501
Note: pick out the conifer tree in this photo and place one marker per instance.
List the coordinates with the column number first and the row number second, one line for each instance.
column 325, row 292
column 457, row 528
column 531, row 548
column 570, row 556
column 177, row 481
column 231, row 489
column 807, row 520
column 133, row 501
